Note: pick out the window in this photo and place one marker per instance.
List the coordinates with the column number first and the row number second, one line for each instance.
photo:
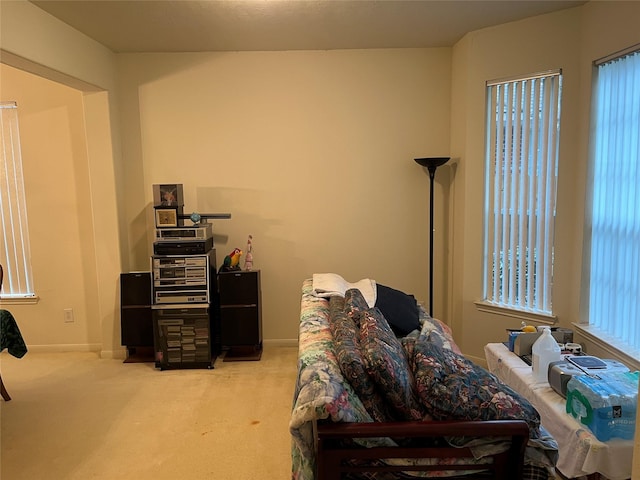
column 612, row 248
column 523, row 121
column 14, row 237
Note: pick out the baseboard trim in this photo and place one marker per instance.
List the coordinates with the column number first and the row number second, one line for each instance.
column 121, row 353
column 66, row 347
column 281, row 342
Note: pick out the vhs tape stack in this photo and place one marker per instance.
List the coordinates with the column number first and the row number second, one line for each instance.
column 185, row 306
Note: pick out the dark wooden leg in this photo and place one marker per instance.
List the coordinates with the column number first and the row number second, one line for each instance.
column 3, row 391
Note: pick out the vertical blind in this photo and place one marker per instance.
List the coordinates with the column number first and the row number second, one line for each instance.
column 614, row 282
column 15, row 253
column 523, row 117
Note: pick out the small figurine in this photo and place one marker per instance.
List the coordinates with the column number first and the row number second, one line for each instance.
column 232, row 261
column 248, row 259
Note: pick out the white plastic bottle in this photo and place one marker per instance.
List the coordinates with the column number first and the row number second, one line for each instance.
column 544, row 351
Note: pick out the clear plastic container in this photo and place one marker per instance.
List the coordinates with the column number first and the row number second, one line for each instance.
column 544, row 351
column 606, row 403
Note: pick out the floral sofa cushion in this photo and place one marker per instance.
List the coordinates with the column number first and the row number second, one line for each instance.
column 434, row 331
column 452, row 387
column 387, row 364
column 345, row 334
column 354, row 304
column 440, row 334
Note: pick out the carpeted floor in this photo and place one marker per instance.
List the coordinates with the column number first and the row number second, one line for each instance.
column 74, row 416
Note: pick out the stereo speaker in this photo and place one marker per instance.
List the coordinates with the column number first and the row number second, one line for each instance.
column 135, row 289
column 136, row 322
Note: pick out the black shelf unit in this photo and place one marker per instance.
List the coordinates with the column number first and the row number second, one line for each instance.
column 185, row 310
column 183, row 336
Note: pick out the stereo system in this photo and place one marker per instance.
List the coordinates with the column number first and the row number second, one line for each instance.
column 185, row 307
column 172, row 271
column 183, row 279
column 190, row 247
column 200, row 232
column 181, row 296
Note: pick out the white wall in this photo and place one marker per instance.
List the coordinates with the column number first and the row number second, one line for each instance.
column 569, row 40
column 84, row 117
column 311, row 152
column 56, row 175
column 265, row 136
column 481, row 56
column 43, row 44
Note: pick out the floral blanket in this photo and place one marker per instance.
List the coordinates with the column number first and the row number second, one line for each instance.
column 321, row 391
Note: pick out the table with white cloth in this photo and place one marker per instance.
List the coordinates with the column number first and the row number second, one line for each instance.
column 580, row 452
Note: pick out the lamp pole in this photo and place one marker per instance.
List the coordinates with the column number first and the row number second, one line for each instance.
column 432, row 163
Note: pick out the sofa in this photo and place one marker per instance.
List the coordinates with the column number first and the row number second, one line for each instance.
column 383, row 392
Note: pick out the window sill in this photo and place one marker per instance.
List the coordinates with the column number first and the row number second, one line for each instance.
column 519, row 314
column 619, row 350
column 19, row 300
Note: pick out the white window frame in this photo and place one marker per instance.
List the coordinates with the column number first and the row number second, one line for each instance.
column 520, row 195
column 15, row 250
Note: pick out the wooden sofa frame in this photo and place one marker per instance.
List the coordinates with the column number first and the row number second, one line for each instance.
column 332, row 454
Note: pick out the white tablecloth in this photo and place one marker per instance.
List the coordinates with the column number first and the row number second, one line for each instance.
column 580, row 452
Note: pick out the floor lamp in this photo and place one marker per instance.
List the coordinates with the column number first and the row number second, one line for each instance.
column 432, row 163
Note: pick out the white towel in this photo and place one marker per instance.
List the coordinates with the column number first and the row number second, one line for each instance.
column 330, row 284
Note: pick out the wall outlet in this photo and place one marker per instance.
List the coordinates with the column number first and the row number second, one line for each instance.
column 68, row 315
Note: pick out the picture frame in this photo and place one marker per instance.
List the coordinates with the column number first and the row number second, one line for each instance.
column 170, row 194
column 166, row 217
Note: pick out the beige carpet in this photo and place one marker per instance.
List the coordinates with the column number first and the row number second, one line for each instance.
column 74, row 416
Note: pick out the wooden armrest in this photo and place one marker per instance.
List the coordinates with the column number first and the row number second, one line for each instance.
column 334, row 456
column 476, row 428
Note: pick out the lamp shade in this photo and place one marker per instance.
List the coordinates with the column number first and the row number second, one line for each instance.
column 433, row 162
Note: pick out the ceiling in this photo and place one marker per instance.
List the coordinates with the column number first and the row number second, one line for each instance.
column 237, row 25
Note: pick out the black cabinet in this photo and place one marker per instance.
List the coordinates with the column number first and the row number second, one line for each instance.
column 241, row 314
column 136, row 324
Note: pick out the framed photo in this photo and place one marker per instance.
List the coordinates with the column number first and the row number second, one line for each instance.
column 168, row 195
column 166, row 217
